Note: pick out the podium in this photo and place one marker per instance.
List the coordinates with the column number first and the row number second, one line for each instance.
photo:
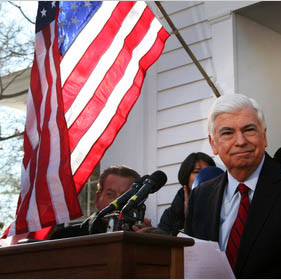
column 119, row 255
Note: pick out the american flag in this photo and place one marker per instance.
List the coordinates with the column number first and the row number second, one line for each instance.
column 89, row 65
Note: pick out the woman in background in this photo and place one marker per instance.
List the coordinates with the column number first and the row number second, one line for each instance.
column 172, row 220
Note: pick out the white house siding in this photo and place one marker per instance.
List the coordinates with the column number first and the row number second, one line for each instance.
column 183, row 96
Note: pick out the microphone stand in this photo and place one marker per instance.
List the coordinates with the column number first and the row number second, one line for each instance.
column 133, row 217
column 112, row 221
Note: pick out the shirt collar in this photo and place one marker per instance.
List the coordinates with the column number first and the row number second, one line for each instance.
column 251, row 182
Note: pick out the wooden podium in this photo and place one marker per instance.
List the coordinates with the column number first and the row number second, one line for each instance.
column 109, row 255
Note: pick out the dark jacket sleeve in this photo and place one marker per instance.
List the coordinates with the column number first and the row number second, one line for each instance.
column 63, row 231
column 91, row 225
column 172, row 220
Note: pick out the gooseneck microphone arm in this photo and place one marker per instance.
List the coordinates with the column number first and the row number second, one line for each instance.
column 150, row 185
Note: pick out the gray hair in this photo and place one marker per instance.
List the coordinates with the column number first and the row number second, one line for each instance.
column 231, row 103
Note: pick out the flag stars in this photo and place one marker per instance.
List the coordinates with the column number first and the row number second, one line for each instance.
column 43, row 12
column 74, row 20
column 53, row 4
column 74, row 6
column 62, row 39
column 88, row 4
column 61, row 24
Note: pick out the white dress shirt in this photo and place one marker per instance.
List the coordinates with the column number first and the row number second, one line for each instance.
column 231, row 201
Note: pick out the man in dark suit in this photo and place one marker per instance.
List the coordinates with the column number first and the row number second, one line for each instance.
column 246, row 223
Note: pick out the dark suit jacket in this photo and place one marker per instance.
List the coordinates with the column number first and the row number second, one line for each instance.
column 172, row 220
column 259, row 255
column 90, row 225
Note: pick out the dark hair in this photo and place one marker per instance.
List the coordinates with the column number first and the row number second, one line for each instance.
column 119, row 170
column 188, row 165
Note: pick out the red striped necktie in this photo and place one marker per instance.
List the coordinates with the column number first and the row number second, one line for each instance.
column 238, row 226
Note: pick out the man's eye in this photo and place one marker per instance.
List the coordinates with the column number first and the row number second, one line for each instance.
column 110, row 194
column 249, row 130
column 226, row 133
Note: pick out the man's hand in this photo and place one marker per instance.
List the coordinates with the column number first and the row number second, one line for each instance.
column 141, row 227
column 146, row 227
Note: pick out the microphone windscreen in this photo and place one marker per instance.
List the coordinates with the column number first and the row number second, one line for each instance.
column 159, row 179
column 141, row 180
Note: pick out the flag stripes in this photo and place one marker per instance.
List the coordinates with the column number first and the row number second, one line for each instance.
column 107, row 76
column 46, row 146
column 107, row 53
column 79, row 99
column 118, row 120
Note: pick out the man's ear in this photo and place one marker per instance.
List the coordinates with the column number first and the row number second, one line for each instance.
column 212, row 144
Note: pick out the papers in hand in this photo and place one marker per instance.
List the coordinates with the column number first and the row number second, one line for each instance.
column 204, row 260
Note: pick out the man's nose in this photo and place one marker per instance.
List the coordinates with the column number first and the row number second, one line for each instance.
column 240, row 139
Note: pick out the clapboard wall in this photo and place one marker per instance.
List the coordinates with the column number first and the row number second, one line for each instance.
column 183, row 96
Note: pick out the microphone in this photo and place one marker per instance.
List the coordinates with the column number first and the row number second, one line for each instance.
column 119, row 202
column 150, row 185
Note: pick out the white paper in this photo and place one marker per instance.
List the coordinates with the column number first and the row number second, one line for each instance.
column 204, row 260
column 12, row 240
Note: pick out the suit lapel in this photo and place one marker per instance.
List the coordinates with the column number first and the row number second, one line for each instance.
column 267, row 190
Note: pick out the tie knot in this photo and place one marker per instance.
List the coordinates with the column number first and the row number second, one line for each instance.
column 243, row 189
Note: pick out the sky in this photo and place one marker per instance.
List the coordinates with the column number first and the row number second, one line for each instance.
column 13, row 21
column 29, row 8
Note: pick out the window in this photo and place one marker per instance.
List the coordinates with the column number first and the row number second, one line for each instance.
column 87, row 197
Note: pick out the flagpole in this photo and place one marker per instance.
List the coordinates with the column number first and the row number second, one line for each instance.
column 187, row 49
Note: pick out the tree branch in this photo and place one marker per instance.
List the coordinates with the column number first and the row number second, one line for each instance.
column 19, row 7
column 3, row 96
column 18, row 134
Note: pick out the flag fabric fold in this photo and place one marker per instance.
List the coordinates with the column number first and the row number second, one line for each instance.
column 89, row 65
